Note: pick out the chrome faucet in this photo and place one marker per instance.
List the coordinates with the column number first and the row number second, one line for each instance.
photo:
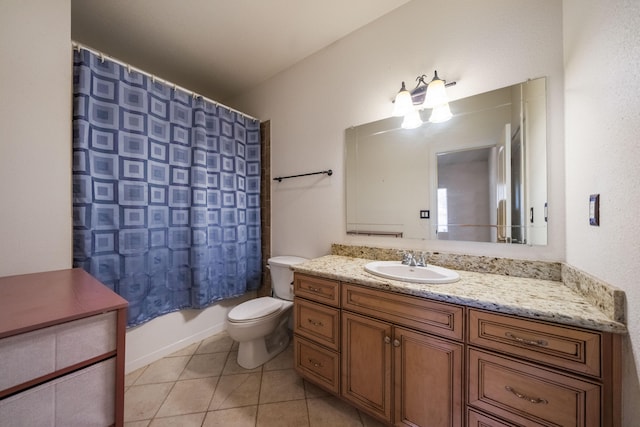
column 414, row 260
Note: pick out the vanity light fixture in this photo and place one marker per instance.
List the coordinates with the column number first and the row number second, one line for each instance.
column 425, row 95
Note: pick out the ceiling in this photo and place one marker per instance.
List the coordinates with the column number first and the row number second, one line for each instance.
column 218, row 48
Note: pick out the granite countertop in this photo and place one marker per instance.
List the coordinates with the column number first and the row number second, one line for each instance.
column 531, row 298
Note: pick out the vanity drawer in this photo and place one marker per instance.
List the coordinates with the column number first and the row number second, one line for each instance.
column 445, row 320
column 319, row 365
column 318, row 289
column 477, row 419
column 317, row 322
column 561, row 346
column 527, row 395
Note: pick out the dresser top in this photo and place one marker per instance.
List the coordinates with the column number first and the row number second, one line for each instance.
column 37, row 300
column 531, row 298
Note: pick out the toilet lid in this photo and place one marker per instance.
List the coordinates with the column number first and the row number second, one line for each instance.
column 254, row 309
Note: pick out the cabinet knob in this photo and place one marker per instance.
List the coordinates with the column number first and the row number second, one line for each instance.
column 396, row 343
column 387, row 340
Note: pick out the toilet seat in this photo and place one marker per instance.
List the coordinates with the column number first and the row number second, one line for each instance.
column 255, row 309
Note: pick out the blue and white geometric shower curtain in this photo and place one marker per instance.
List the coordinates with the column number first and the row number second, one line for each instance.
column 166, row 191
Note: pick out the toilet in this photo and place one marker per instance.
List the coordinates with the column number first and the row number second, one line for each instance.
column 260, row 325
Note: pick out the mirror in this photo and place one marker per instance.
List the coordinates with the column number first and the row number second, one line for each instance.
column 481, row 176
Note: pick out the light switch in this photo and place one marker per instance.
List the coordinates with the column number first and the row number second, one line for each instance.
column 424, row 214
column 594, row 209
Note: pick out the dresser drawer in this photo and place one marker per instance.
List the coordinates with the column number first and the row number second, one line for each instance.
column 81, row 398
column 319, row 365
column 317, row 322
column 445, row 320
column 560, row 346
column 32, row 355
column 318, row 289
column 527, row 395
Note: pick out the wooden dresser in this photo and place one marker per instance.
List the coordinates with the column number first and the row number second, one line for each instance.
column 62, row 339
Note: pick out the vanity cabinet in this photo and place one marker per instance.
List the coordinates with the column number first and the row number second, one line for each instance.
column 62, row 336
column 402, row 359
column 533, row 373
column 316, row 339
column 412, row 361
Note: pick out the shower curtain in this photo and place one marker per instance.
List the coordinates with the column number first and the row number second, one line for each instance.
column 166, row 191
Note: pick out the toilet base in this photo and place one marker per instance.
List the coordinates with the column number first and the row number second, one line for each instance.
column 254, row 353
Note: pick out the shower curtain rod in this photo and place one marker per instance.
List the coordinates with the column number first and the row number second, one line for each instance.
column 78, row 46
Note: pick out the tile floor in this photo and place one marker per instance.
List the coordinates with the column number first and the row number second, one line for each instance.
column 202, row 385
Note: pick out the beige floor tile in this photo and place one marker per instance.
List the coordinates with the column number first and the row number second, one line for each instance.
column 280, row 386
column 204, row 365
column 141, row 402
column 189, row 420
column 144, row 423
column 283, row 360
column 186, row 351
column 312, row 390
column 369, row 421
column 131, row 377
column 331, row 412
column 215, row 344
column 235, row 417
column 232, row 367
column 283, row 414
column 164, row 370
column 236, row 390
column 188, row 396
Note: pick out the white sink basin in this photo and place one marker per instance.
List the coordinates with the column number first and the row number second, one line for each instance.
column 398, row 271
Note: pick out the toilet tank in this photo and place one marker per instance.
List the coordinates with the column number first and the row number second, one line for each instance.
column 282, row 275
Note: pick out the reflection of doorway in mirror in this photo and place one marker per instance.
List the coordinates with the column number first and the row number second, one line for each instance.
column 464, row 191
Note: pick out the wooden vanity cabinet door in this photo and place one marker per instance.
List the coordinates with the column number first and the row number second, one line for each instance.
column 366, row 364
column 428, row 380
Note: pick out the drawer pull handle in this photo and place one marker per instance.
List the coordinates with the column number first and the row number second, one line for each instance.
column 316, row 290
column 535, row 400
column 315, row 363
column 537, row 343
column 315, row 322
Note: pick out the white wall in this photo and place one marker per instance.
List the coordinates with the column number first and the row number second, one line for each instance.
column 482, row 45
column 602, row 85
column 35, row 135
